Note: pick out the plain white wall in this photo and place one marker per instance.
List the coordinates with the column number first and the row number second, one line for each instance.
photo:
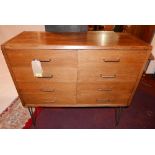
column 9, row 31
column 7, row 89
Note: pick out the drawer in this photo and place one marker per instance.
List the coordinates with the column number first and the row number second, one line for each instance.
column 117, row 58
column 108, row 99
column 49, row 100
column 57, row 74
column 118, row 62
column 105, row 87
column 54, row 58
column 47, row 88
column 98, row 75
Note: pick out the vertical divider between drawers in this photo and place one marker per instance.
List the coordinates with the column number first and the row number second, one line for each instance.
column 77, row 56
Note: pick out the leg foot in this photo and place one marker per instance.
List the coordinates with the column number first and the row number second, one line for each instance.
column 32, row 115
column 118, row 112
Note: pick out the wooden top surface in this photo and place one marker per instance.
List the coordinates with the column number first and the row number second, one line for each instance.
column 75, row 40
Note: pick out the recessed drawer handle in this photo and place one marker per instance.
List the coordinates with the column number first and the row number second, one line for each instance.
column 45, row 76
column 48, row 60
column 47, row 90
column 103, row 100
column 111, row 60
column 107, row 76
column 48, row 102
column 101, row 89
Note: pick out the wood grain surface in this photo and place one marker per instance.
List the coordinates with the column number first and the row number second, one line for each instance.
column 93, row 69
column 76, row 40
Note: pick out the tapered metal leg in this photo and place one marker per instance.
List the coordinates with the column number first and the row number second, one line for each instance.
column 118, row 112
column 32, row 115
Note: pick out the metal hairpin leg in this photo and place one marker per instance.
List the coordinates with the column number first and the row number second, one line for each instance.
column 32, row 115
column 118, row 112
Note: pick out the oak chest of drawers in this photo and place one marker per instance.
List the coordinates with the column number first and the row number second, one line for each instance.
column 93, row 69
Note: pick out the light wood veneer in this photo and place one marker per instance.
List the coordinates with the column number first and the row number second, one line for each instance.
column 94, row 69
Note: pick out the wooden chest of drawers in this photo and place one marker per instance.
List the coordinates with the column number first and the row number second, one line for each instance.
column 79, row 69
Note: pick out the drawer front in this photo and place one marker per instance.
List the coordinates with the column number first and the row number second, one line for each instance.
column 47, row 88
column 49, row 100
column 105, row 87
column 98, row 75
column 115, row 58
column 54, row 58
column 50, row 74
column 109, row 69
column 111, row 99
